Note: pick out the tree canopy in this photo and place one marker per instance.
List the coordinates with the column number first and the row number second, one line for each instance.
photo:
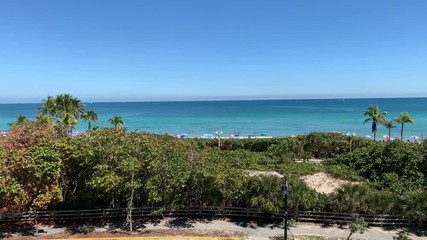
column 64, row 108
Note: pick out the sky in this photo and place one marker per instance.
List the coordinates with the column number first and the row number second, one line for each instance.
column 156, row 50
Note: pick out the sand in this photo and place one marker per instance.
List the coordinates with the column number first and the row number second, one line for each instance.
column 253, row 173
column 324, row 183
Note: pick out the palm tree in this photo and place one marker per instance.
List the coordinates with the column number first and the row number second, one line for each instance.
column 376, row 116
column 44, row 119
column 19, row 120
column 68, row 121
column 67, row 104
column 89, row 116
column 116, row 121
column 389, row 125
column 65, row 108
column 402, row 119
column 48, row 106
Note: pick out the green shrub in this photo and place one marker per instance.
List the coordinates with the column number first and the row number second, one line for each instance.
column 395, row 166
column 351, row 198
column 325, row 145
column 415, row 204
column 246, row 159
column 329, row 145
column 384, row 202
column 357, row 225
column 402, row 236
column 342, row 172
column 303, row 198
column 287, row 150
column 264, row 193
column 293, row 170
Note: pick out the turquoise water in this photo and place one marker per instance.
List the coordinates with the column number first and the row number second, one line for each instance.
column 272, row 117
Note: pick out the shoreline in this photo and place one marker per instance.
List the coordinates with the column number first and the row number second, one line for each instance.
column 412, row 139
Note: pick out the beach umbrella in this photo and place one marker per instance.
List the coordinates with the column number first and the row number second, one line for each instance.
column 351, row 134
column 415, row 138
column 386, row 137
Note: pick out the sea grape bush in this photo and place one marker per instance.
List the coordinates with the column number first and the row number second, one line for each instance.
column 396, row 166
column 287, row 150
column 328, row 145
column 30, row 167
column 43, row 168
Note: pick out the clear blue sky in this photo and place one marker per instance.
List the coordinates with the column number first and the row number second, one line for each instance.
column 101, row 50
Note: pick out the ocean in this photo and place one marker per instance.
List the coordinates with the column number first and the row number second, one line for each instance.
column 271, row 117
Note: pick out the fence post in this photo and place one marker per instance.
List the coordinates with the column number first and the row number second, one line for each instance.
column 35, row 219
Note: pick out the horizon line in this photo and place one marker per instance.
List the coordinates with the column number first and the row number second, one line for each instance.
column 231, row 99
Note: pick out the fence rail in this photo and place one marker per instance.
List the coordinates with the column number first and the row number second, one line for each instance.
column 205, row 211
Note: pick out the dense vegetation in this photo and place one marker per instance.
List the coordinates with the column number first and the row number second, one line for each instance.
column 44, row 168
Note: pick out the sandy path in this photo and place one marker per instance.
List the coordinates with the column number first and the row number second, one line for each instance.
column 219, row 228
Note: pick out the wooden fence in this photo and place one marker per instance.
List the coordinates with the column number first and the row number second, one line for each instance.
column 205, row 211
